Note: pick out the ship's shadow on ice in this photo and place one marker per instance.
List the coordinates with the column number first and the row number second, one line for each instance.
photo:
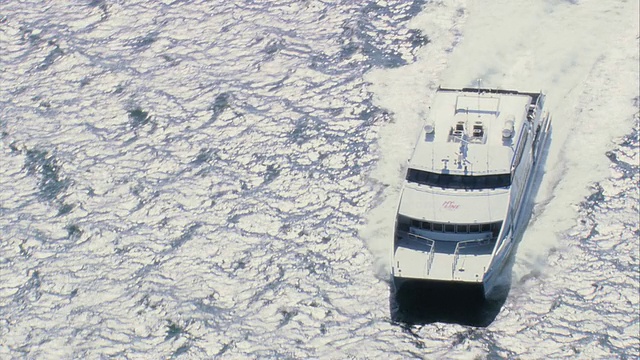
column 419, row 303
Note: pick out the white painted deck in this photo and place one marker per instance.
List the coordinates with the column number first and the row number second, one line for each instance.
column 486, row 154
column 415, row 260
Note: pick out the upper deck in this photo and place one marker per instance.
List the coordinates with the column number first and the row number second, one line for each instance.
column 472, row 131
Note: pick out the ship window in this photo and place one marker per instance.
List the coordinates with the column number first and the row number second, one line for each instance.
column 403, row 223
column 415, row 223
column 458, row 181
column 449, row 228
column 495, row 227
column 426, row 225
column 437, row 227
column 486, row 227
column 462, row 228
column 474, row 228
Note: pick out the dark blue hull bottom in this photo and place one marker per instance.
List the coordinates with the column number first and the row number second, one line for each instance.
column 428, row 301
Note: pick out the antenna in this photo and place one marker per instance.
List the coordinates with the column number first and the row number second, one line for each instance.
column 433, row 160
column 479, row 81
column 488, row 168
column 445, row 161
column 479, row 84
column 462, row 154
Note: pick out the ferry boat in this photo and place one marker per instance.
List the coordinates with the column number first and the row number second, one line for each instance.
column 462, row 203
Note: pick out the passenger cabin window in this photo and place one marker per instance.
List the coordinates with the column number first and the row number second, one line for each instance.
column 405, row 223
column 448, row 181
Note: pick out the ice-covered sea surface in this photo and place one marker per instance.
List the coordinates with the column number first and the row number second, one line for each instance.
column 202, row 179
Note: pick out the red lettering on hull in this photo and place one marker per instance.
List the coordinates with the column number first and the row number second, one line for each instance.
column 450, row 205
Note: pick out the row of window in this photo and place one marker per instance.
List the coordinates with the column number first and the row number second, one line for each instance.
column 452, row 228
column 448, row 181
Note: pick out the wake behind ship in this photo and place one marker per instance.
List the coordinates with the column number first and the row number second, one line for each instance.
column 467, row 180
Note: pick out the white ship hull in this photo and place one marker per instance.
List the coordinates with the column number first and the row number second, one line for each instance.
column 458, row 223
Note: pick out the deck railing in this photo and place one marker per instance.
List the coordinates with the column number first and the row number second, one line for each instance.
column 432, row 248
column 466, row 244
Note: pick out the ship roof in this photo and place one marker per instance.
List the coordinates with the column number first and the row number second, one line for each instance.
column 467, row 131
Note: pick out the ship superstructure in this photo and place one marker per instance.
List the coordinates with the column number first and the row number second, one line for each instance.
column 467, row 178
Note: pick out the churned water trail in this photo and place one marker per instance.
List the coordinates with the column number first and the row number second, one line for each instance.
column 558, row 47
